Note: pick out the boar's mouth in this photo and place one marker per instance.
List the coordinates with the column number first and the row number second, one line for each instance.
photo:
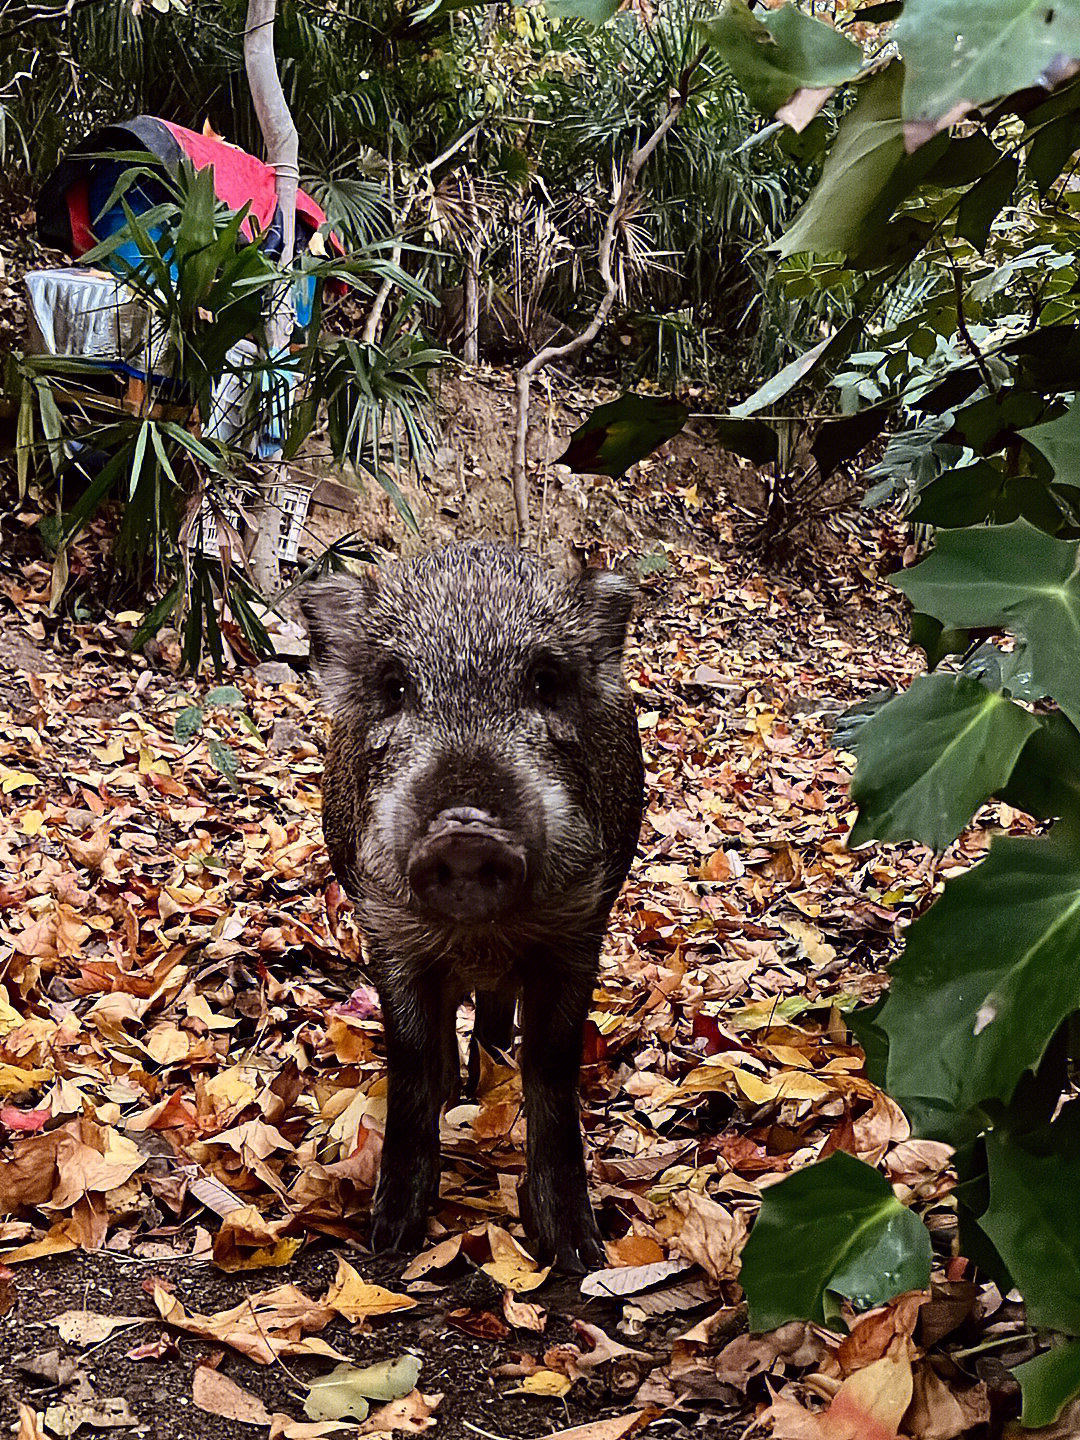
column 467, row 868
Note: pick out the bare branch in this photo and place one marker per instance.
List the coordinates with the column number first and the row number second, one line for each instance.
column 371, row 325
column 544, row 357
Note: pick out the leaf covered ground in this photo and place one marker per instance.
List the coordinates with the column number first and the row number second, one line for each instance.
column 192, row 1084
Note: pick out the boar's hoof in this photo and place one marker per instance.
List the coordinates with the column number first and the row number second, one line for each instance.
column 573, row 1243
column 397, row 1232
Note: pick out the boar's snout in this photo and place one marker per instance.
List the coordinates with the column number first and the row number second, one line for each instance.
column 467, row 867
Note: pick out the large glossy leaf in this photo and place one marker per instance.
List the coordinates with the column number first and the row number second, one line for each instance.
column 1033, row 1219
column 931, row 757
column 990, row 972
column 842, row 439
column 1046, row 779
column 617, row 435
column 832, row 1229
column 866, row 175
column 798, row 370
column 980, row 492
column 980, row 205
column 754, row 440
column 779, row 55
column 1048, row 1383
column 595, row 12
column 963, row 53
column 1059, row 441
column 1015, row 577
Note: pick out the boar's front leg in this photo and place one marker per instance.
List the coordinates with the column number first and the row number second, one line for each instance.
column 421, row 1058
column 557, row 1208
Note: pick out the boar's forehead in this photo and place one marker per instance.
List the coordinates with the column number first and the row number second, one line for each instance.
column 473, row 612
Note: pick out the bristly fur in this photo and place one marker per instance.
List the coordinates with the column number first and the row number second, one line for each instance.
column 464, row 627
column 476, row 682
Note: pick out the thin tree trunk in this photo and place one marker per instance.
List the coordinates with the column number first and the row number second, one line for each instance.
column 623, row 196
column 282, row 152
column 471, row 350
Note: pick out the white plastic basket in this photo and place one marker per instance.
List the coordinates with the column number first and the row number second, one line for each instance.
column 293, row 502
column 289, row 502
column 204, row 535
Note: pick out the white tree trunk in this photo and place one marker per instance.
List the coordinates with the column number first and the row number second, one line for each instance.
column 472, row 307
column 282, row 152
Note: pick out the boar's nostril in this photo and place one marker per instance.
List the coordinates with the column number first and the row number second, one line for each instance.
column 466, row 869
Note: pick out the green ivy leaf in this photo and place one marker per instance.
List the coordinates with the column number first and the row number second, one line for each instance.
column 832, row 1229
column 595, row 12
column 963, row 53
column 188, row 723
column 1033, row 1219
column 990, row 972
column 980, row 492
column 227, row 696
column 866, row 175
column 931, row 757
column 223, row 758
column 1059, row 441
column 1048, row 1383
column 617, row 435
column 777, row 54
column 1045, row 781
column 980, row 205
column 1015, row 577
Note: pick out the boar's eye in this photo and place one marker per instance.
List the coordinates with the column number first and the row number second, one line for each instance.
column 548, row 682
column 393, row 687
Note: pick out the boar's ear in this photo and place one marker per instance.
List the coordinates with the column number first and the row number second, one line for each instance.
column 607, row 601
column 334, row 611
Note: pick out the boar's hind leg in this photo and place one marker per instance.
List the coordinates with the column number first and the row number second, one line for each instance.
column 557, row 1208
column 419, row 1020
column 493, row 1029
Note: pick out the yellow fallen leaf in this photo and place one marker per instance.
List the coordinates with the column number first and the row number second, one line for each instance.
column 263, row 1327
column 56, row 1242
column 32, row 821
column 870, row 1404
column 148, row 765
column 355, row 1299
column 511, row 1266
column 14, row 1080
column 15, row 779
column 543, row 1382
column 248, row 1241
column 788, row 1085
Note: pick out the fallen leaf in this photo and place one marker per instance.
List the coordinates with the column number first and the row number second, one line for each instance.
column 708, row 1233
column 410, row 1415
column 218, row 1395
column 247, row 1241
column 68, row 1416
column 263, row 1327
column 88, row 1327
column 523, row 1315
column 346, row 1390
column 543, row 1382
column 616, row 1428
column 632, row 1279
column 355, row 1299
column 30, row 1425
